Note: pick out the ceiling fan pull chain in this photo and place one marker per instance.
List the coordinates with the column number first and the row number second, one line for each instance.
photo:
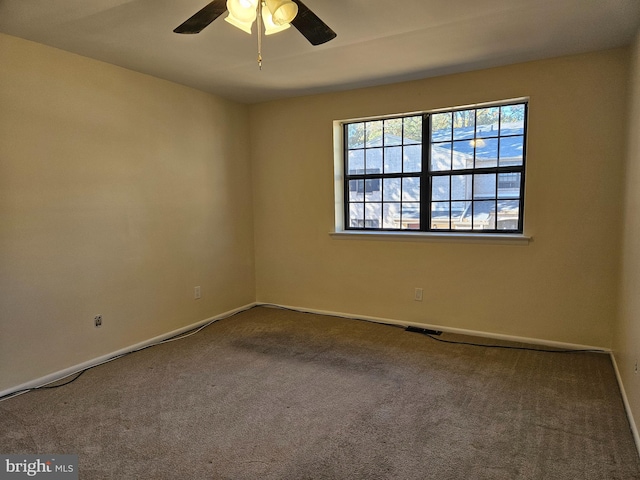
column 259, row 19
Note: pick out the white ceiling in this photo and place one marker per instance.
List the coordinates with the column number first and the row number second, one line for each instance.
column 379, row 41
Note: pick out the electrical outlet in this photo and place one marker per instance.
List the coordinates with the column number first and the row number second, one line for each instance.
column 97, row 320
column 417, row 295
column 196, row 292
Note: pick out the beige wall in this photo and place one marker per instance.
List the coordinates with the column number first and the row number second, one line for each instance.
column 627, row 339
column 119, row 193
column 561, row 287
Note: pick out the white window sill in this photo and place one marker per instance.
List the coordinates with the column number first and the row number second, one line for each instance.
column 448, row 237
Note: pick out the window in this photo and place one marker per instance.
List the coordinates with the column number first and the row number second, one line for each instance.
column 455, row 170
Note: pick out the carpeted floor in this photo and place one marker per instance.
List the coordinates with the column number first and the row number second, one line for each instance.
column 274, row 394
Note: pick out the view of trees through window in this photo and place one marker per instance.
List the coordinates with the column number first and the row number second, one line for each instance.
column 451, row 170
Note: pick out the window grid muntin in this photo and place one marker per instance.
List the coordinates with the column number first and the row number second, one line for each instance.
column 426, row 174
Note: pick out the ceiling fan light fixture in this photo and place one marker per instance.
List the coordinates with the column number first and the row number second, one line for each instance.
column 269, row 27
column 244, row 26
column 296, row 12
column 242, row 13
column 282, row 11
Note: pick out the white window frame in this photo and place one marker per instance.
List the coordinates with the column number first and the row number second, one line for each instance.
column 411, row 235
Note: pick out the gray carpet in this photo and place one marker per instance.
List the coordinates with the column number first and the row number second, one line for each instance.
column 274, row 394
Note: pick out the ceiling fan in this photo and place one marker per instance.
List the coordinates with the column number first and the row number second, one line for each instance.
column 276, row 15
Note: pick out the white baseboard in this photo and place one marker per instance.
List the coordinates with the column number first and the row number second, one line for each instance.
column 59, row 375
column 461, row 331
column 627, row 406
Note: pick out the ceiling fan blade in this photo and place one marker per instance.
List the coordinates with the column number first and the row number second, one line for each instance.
column 310, row 26
column 197, row 22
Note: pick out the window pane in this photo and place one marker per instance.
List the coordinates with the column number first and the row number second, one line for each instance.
column 462, row 219
column 356, row 215
column 410, row 189
column 372, row 190
column 457, row 209
column 462, row 155
column 356, row 190
column 478, row 215
column 373, row 215
column 413, row 158
column 441, row 157
column 413, row 130
column 487, row 122
column 464, row 124
column 373, row 160
column 356, row 162
column 373, row 134
column 486, row 152
column 508, row 185
column 461, row 187
column 391, row 215
column 355, row 133
column 391, row 190
column 511, row 149
column 440, row 188
column 393, row 132
column 441, row 127
column 484, row 186
column 410, row 216
column 512, row 120
column 440, row 215
column 508, row 214
column 393, row 160
column 484, row 215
